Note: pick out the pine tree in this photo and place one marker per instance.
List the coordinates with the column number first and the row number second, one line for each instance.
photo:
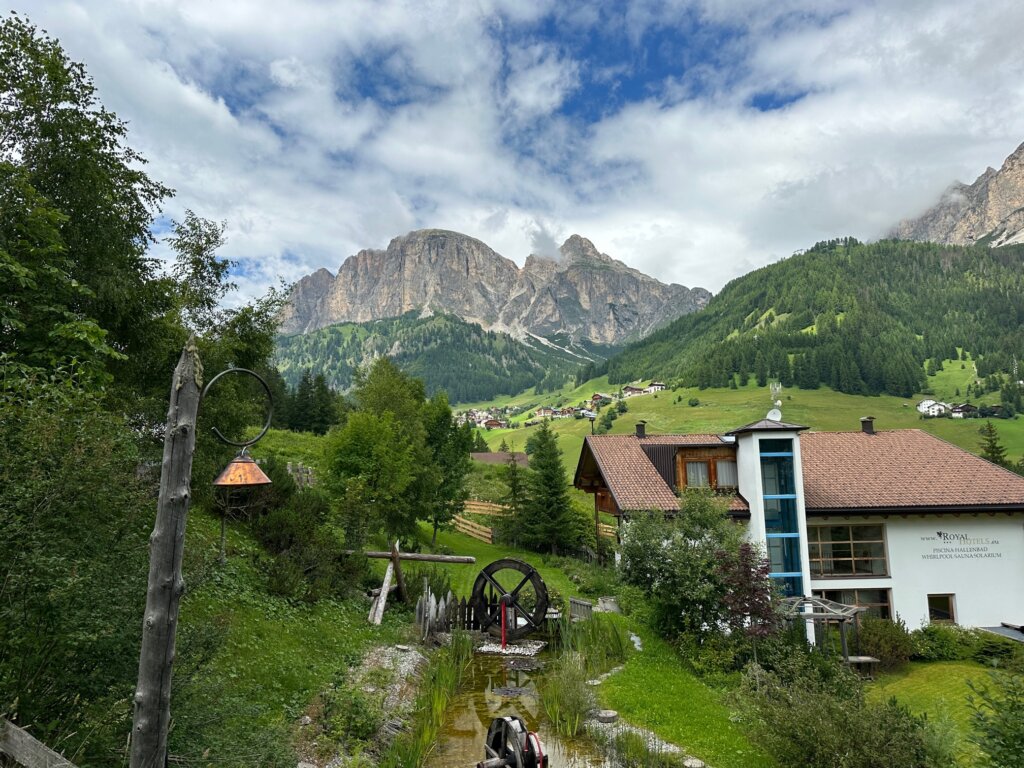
column 479, row 444
column 991, row 446
column 546, row 522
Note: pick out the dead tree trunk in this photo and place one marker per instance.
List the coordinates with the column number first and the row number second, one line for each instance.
column 153, row 693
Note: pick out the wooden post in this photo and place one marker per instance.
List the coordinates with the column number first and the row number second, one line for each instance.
column 397, row 562
column 163, row 595
column 597, row 531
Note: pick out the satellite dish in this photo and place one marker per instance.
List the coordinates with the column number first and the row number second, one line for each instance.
column 774, row 415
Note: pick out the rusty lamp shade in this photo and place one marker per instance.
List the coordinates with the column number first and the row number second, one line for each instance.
column 241, row 472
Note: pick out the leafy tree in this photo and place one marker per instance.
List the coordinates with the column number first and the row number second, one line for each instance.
column 371, row 469
column 676, row 562
column 72, row 153
column 450, row 446
column 992, row 447
column 201, row 277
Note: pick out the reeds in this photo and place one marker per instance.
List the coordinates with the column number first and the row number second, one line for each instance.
column 440, row 682
column 565, row 694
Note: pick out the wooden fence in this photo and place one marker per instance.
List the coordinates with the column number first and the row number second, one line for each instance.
column 301, row 474
column 607, row 530
column 477, row 531
column 447, row 613
column 580, row 609
column 24, row 749
column 477, row 507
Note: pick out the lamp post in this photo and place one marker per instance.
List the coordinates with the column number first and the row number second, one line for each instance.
column 163, row 594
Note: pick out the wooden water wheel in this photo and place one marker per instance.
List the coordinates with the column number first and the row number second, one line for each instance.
column 525, row 603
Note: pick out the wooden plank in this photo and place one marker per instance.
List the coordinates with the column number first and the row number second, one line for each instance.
column 25, row 750
column 420, row 556
column 377, row 609
column 606, row 530
column 396, row 561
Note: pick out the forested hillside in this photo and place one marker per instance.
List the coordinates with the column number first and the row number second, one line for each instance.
column 459, row 358
column 863, row 319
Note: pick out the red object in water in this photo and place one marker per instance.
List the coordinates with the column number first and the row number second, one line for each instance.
column 504, row 624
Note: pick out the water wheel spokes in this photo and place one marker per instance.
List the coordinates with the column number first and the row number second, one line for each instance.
column 490, row 612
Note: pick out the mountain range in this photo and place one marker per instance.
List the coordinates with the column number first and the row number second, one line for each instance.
column 579, row 293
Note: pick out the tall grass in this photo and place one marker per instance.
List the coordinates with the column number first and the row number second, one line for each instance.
column 565, row 694
column 440, row 682
column 602, row 641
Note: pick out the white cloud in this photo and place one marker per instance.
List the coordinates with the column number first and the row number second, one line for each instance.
column 317, row 129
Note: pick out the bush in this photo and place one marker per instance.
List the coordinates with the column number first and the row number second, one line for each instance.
column 998, row 719
column 993, row 649
column 887, row 640
column 693, row 402
column 942, row 642
column 351, row 715
column 805, row 720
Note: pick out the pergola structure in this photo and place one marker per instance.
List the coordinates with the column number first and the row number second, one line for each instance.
column 822, row 611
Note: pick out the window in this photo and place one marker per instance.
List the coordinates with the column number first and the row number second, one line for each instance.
column 728, row 477
column 782, row 529
column 941, row 609
column 697, row 474
column 845, row 551
column 877, row 601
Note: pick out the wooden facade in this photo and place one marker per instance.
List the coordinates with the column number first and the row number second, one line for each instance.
column 710, row 456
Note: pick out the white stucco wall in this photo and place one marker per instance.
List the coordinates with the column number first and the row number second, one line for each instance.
column 980, row 560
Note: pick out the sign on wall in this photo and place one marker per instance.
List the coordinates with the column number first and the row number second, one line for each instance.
column 956, row 545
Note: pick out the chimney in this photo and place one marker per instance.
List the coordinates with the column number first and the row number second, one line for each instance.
column 867, row 425
column 641, row 429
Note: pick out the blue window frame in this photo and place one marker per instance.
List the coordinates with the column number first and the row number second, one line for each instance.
column 782, row 528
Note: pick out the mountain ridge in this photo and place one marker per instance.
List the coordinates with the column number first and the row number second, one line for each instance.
column 584, row 294
column 989, row 211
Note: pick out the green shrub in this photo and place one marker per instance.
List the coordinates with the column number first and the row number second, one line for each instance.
column 805, row 720
column 693, row 402
column 990, row 648
column 998, row 719
column 942, row 642
column 351, row 715
column 887, row 640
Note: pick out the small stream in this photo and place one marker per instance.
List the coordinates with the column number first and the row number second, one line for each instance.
column 495, row 686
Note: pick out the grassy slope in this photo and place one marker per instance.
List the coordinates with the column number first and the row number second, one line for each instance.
column 938, row 689
column 723, row 409
column 274, row 658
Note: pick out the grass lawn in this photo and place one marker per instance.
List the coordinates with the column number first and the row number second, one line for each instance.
column 938, row 689
column 657, row 692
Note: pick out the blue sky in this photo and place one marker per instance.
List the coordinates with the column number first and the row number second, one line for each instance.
column 694, row 140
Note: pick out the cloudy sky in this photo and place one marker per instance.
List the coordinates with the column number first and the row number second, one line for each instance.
column 692, row 140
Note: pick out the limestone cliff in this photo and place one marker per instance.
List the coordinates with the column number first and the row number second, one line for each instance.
column 990, row 211
column 584, row 294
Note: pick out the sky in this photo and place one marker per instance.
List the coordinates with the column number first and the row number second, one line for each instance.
column 694, row 140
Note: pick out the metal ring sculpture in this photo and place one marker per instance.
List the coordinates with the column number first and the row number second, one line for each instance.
column 270, row 406
column 489, row 614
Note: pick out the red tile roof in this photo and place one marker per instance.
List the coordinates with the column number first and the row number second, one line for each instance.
column 905, row 469
column 631, row 477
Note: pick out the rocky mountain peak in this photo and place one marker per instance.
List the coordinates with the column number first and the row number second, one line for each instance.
column 443, row 271
column 989, row 211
